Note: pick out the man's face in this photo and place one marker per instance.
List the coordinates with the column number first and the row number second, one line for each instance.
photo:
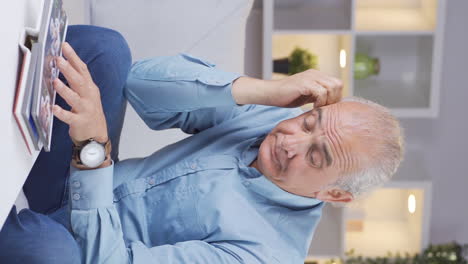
column 306, row 153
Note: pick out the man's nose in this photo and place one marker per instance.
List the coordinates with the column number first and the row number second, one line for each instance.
column 295, row 144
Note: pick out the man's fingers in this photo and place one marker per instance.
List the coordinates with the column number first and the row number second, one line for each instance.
column 71, row 97
column 320, row 94
column 74, row 59
column 64, row 115
column 75, row 79
column 334, row 91
column 337, row 91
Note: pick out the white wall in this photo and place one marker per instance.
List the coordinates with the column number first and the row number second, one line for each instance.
column 75, row 11
column 444, row 140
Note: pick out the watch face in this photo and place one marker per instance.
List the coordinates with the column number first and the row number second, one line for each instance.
column 93, row 154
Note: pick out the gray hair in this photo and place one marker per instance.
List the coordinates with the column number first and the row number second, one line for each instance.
column 385, row 137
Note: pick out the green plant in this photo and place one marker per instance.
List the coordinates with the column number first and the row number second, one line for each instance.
column 301, row 60
column 446, row 253
column 451, row 253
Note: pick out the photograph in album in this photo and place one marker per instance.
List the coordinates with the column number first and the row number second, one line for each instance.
column 53, row 32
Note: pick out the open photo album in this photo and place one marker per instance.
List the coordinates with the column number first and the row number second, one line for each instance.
column 40, row 44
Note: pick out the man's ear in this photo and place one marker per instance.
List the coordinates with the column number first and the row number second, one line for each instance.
column 335, row 196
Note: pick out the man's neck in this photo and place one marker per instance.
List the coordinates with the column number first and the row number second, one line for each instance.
column 254, row 164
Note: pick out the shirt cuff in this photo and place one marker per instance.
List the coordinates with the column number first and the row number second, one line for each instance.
column 217, row 87
column 91, row 189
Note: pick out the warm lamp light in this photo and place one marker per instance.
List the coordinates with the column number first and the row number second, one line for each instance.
column 412, row 203
column 342, row 58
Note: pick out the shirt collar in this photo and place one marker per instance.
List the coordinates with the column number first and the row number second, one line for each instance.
column 261, row 185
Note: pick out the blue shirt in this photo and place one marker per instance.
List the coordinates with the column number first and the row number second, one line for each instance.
column 195, row 201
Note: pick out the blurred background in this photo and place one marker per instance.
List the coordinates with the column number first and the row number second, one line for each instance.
column 408, row 55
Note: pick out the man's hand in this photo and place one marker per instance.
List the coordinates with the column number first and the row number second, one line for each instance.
column 310, row 86
column 86, row 118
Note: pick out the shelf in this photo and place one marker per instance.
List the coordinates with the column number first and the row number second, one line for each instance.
column 398, row 229
column 404, row 80
column 326, row 46
column 312, row 15
column 312, row 31
column 395, row 33
column 396, row 15
column 328, row 237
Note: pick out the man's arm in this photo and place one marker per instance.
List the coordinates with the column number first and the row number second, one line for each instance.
column 310, row 86
column 188, row 93
column 181, row 92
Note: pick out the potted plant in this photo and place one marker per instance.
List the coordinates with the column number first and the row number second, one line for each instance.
column 298, row 61
column 365, row 66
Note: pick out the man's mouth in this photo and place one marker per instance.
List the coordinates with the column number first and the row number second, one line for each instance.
column 275, row 153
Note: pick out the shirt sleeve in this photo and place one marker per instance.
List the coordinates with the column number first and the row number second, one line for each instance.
column 96, row 225
column 181, row 92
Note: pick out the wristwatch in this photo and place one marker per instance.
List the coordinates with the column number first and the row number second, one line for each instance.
column 90, row 153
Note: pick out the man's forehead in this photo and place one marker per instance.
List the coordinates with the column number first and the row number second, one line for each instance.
column 342, row 114
column 347, row 113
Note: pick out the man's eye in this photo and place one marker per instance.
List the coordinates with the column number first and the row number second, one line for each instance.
column 316, row 159
column 309, row 124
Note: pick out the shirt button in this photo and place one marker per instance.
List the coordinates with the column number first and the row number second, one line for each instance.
column 76, row 196
column 193, row 166
column 246, row 183
column 151, row 182
column 76, row 184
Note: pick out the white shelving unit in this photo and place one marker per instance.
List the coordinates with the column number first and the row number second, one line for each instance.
column 405, row 35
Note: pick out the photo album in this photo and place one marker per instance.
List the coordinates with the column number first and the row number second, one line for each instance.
column 40, row 43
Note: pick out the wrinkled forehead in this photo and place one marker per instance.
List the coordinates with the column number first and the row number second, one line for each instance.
column 347, row 115
column 350, row 118
column 348, row 124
